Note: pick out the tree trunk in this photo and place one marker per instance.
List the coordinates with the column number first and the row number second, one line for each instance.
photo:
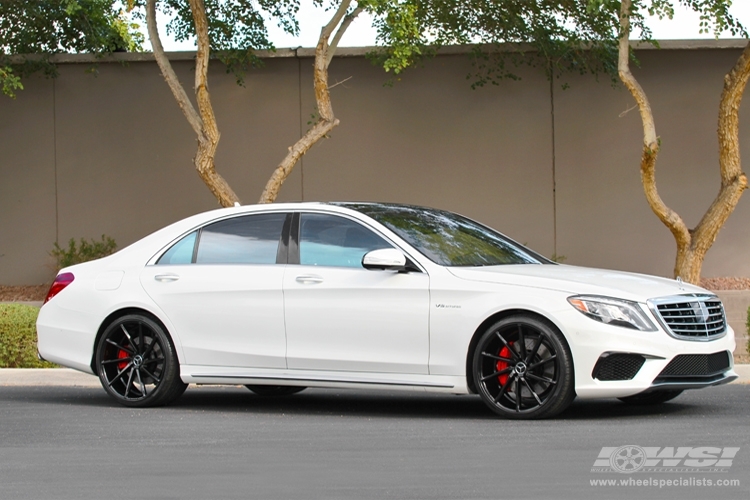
column 326, row 121
column 203, row 124
column 692, row 245
column 208, row 140
column 733, row 180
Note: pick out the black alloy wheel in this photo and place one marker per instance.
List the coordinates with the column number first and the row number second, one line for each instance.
column 651, row 398
column 275, row 390
column 136, row 363
column 523, row 369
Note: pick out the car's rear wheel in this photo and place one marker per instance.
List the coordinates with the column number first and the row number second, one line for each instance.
column 651, row 398
column 275, row 390
column 523, row 368
column 136, row 363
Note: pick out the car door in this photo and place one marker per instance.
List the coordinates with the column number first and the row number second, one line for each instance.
column 343, row 317
column 220, row 287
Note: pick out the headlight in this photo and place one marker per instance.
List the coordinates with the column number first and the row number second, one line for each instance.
column 613, row 312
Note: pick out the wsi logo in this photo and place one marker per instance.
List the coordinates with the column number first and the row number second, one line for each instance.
column 631, row 458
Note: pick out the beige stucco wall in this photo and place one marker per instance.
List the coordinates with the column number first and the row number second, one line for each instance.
column 556, row 169
column 599, row 191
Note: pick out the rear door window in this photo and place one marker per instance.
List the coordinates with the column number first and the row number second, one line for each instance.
column 250, row 239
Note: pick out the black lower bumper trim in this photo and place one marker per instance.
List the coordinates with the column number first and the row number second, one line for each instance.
column 690, row 382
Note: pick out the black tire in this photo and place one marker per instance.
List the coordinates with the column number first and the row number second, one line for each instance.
column 137, row 364
column 275, row 390
column 527, row 357
column 651, row 398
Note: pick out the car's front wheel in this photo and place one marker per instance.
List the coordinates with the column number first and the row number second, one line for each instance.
column 523, row 368
column 137, row 364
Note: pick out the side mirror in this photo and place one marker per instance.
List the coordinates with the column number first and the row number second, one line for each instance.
column 386, row 259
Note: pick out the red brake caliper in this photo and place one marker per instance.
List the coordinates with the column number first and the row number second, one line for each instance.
column 122, row 355
column 502, row 365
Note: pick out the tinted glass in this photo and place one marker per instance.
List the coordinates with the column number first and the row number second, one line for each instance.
column 328, row 240
column 181, row 252
column 446, row 238
column 252, row 239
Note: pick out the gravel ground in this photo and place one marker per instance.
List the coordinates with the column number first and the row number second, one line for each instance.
column 726, row 283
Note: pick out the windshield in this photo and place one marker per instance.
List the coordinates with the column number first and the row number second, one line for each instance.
column 446, row 238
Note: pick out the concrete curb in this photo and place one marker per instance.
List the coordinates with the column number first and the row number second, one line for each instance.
column 743, row 371
column 66, row 377
column 35, row 303
column 50, row 377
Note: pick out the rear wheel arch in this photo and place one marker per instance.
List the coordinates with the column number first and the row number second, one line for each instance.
column 114, row 316
column 498, row 316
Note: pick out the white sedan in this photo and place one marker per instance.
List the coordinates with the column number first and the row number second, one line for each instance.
column 370, row 295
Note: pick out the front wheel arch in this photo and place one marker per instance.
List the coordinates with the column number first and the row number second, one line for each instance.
column 492, row 320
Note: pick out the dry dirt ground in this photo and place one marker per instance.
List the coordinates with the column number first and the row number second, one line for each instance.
column 23, row 293
column 39, row 292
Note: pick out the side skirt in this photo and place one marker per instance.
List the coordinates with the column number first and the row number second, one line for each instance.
column 347, row 380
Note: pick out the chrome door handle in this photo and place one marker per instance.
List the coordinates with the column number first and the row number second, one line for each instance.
column 309, row 279
column 166, row 277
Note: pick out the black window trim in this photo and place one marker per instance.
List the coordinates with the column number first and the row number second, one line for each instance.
column 195, row 245
column 282, row 254
column 293, row 257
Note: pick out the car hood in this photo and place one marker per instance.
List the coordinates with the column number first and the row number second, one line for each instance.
column 578, row 280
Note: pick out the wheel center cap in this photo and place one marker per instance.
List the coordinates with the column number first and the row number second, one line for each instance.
column 520, row 368
column 137, row 360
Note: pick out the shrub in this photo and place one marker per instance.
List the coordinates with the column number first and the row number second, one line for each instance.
column 18, row 337
column 83, row 251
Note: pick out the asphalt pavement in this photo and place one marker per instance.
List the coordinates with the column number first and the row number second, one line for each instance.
column 70, row 440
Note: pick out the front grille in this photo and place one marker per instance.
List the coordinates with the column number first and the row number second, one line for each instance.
column 698, row 317
column 697, row 365
column 618, row 366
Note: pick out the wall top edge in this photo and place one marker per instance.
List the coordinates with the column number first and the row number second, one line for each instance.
column 302, row 52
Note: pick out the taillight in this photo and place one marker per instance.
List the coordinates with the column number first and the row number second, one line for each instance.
column 61, row 281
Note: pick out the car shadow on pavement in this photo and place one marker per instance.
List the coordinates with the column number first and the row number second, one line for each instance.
column 321, row 402
column 404, row 404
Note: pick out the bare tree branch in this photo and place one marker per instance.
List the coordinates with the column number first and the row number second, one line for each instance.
column 340, row 83
column 208, row 140
column 327, row 30
column 650, row 139
column 733, row 180
column 204, row 125
column 692, row 245
column 340, row 33
column 669, row 217
column 326, row 121
column 167, row 71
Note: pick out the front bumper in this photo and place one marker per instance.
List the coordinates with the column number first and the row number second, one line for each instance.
column 590, row 340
